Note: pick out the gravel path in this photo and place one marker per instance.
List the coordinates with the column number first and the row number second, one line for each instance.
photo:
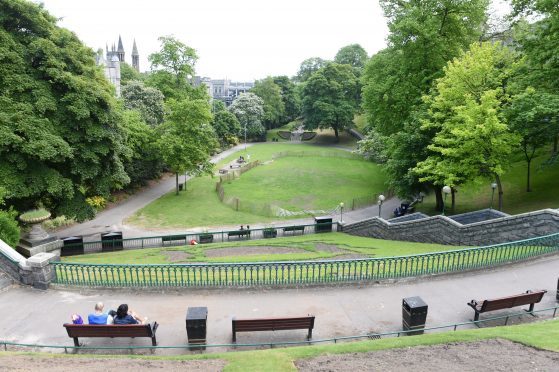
column 490, row 355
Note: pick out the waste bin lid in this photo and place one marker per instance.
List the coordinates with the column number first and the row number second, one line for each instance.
column 197, row 313
column 323, row 218
column 72, row 238
column 414, row 302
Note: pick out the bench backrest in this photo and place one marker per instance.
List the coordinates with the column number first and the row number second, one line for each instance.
column 273, row 324
column 105, row 330
column 512, row 301
column 293, row 228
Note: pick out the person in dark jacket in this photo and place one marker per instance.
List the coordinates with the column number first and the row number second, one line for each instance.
column 125, row 316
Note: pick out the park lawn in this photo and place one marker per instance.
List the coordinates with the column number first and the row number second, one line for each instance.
column 542, row 335
column 309, row 183
column 199, row 205
column 311, row 245
column 477, row 195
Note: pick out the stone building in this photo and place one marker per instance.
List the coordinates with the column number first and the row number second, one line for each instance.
column 112, row 59
column 223, row 89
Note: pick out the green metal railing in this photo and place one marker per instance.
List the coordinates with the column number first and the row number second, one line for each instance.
column 301, row 272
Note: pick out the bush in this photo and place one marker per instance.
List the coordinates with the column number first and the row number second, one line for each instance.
column 9, row 229
column 77, row 208
column 97, row 202
column 58, row 222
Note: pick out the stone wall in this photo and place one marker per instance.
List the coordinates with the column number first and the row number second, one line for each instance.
column 443, row 230
column 35, row 271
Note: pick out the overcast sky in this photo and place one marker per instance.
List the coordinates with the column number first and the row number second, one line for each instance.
column 240, row 40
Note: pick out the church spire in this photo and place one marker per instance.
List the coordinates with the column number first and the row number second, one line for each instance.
column 120, row 50
column 135, row 57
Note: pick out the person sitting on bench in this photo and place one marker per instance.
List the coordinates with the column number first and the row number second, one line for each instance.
column 125, row 316
column 100, row 317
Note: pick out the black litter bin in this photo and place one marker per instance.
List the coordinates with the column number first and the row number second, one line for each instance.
column 414, row 314
column 73, row 245
column 196, row 319
column 111, row 241
column 323, row 224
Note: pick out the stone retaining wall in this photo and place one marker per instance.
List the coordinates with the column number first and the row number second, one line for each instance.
column 443, row 230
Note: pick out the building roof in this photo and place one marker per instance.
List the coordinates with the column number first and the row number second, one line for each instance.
column 120, row 47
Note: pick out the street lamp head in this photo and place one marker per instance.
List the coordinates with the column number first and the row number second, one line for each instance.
column 494, row 185
column 381, row 198
column 447, row 189
column 341, row 205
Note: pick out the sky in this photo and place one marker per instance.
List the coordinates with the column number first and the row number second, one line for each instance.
column 240, row 40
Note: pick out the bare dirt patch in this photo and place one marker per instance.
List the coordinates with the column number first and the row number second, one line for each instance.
column 177, row 256
column 493, row 355
column 250, row 251
column 56, row 364
column 330, row 248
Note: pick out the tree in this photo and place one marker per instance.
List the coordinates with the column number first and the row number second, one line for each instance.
column 248, row 108
column 328, row 98
column 308, row 67
column 172, row 68
column 147, row 101
column 532, row 115
column 188, row 139
column 9, row 229
column 353, row 55
column 128, row 74
column 424, row 36
column 59, row 122
column 465, row 109
column 142, row 160
column 270, row 93
column 227, row 127
column 290, row 98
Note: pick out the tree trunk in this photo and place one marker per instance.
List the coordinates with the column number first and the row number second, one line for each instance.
column 453, row 191
column 184, row 186
column 500, row 188
column 438, row 198
column 528, row 188
column 177, row 182
column 336, row 133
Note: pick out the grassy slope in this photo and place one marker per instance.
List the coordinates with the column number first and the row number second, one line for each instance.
column 329, row 181
column 199, row 206
column 308, row 243
column 542, row 335
column 477, row 195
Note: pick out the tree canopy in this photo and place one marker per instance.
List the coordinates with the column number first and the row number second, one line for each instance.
column 148, row 101
column 353, row 55
column 248, row 108
column 270, row 93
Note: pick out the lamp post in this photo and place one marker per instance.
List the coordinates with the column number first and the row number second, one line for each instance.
column 493, row 187
column 380, row 200
column 342, row 212
column 446, row 191
column 246, row 123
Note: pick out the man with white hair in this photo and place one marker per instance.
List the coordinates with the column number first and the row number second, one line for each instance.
column 100, row 317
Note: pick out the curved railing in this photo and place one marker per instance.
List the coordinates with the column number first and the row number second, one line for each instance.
column 301, row 272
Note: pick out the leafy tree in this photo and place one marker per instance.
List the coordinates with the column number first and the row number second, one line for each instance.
column 218, row 106
column 9, row 229
column 328, row 98
column 128, row 74
column 248, row 108
column 308, row 67
column 143, row 160
column 270, row 93
column 188, row 139
column 465, row 109
column 353, row 55
column 532, row 115
column 290, row 98
column 59, row 123
column 373, row 147
column 147, row 101
column 227, row 127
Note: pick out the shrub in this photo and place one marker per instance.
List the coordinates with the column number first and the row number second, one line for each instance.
column 9, row 229
column 58, row 222
column 97, row 202
column 77, row 208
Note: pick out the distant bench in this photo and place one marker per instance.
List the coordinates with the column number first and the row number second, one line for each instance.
column 111, row 330
column 272, row 324
column 239, row 233
column 294, row 228
column 528, row 298
column 172, row 238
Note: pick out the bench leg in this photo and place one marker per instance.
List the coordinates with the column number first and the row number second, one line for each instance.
column 309, row 336
column 531, row 310
column 153, row 341
column 234, row 336
column 76, row 342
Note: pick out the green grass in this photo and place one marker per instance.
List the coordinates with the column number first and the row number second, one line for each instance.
column 309, row 183
column 477, row 195
column 541, row 335
column 310, row 245
column 199, row 205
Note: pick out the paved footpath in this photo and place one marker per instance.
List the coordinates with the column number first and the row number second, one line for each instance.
column 113, row 219
column 33, row 316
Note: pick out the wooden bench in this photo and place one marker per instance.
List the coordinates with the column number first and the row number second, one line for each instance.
column 110, row 330
column 273, row 324
column 294, row 228
column 528, row 298
column 239, row 233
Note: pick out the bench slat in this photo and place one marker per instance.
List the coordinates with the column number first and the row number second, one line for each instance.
column 114, row 330
column 272, row 324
